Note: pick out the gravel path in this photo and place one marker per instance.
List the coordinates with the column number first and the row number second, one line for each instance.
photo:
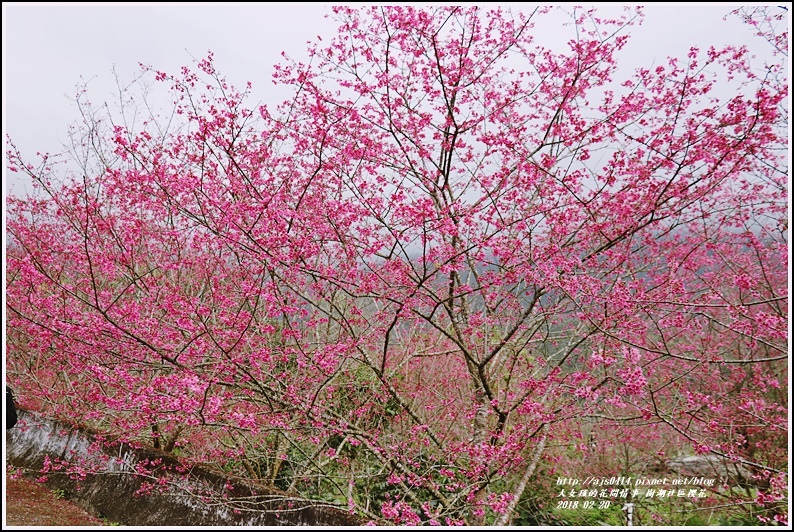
column 29, row 503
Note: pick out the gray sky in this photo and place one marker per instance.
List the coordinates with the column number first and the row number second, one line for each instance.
column 48, row 48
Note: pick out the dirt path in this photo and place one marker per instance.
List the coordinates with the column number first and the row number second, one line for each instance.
column 31, row 504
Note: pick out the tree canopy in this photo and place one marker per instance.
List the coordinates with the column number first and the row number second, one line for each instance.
column 454, row 267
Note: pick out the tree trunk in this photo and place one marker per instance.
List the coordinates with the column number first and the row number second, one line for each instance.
column 507, row 517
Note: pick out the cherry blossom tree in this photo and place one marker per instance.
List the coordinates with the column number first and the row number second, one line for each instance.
column 413, row 285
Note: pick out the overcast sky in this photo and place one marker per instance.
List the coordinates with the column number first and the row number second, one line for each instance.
column 48, row 48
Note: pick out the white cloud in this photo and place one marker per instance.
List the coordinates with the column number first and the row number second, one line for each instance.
column 48, row 48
